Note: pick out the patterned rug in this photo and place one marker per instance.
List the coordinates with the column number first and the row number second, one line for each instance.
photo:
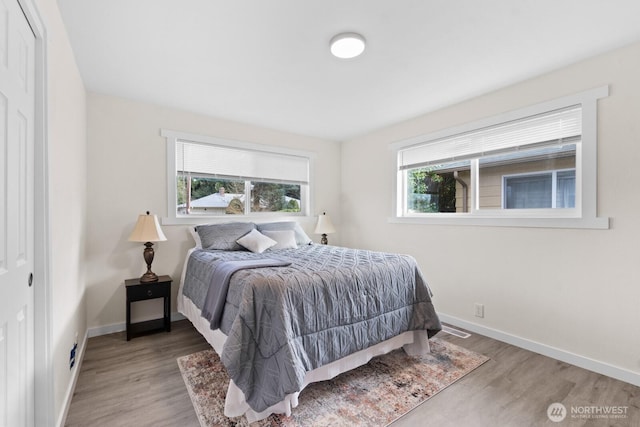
column 375, row 394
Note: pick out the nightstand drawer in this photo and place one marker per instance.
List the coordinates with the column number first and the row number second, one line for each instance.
column 148, row 291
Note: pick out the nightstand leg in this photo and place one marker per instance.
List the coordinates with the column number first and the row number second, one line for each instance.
column 167, row 313
column 128, row 324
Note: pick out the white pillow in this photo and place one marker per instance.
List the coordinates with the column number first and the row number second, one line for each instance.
column 286, row 239
column 256, row 242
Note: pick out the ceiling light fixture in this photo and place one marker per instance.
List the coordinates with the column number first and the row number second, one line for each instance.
column 347, row 45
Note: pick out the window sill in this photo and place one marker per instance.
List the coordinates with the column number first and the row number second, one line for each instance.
column 597, row 223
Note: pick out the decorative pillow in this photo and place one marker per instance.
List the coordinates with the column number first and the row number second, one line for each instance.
column 285, row 239
column 223, row 236
column 256, row 242
column 301, row 236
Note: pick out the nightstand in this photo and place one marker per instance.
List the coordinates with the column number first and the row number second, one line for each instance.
column 138, row 291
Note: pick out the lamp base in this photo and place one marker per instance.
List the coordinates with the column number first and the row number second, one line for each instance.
column 149, row 276
column 148, row 254
column 324, row 240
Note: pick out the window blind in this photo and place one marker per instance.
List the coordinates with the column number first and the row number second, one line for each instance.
column 556, row 127
column 221, row 161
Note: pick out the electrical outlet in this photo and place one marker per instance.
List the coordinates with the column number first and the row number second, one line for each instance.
column 479, row 310
column 72, row 355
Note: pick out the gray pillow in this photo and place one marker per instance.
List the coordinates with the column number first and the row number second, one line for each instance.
column 223, row 236
column 301, row 236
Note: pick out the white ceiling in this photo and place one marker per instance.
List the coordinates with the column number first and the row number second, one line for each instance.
column 268, row 62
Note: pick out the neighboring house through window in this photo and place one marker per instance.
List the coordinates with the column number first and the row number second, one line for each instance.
column 542, row 190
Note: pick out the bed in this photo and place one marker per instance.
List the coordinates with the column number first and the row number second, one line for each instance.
column 282, row 312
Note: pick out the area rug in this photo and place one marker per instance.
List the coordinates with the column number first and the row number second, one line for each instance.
column 375, row 394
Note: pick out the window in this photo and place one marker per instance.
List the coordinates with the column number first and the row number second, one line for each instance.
column 542, row 190
column 209, row 177
column 514, row 169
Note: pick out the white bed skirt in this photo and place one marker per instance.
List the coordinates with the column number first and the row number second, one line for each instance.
column 413, row 343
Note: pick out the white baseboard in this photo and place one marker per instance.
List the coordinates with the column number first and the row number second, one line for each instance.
column 555, row 353
column 119, row 327
column 108, row 329
column 177, row 316
column 72, row 384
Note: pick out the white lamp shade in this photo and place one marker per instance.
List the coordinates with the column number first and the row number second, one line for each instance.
column 324, row 225
column 147, row 229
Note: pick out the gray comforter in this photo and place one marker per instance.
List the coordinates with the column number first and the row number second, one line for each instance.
column 328, row 303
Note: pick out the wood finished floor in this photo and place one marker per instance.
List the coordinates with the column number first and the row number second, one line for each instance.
column 138, row 383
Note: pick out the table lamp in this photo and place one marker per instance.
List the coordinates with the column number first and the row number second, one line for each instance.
column 324, row 227
column 147, row 230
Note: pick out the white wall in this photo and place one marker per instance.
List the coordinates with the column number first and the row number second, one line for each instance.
column 67, row 199
column 127, row 176
column 577, row 291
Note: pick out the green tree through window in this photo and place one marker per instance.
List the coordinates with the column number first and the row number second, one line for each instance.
column 431, row 191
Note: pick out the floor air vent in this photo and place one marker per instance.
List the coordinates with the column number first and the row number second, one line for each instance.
column 455, row 332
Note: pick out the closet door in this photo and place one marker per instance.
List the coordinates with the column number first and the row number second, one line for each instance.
column 17, row 112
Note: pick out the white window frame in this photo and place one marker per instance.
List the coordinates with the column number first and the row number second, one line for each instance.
column 584, row 215
column 554, row 183
column 172, row 137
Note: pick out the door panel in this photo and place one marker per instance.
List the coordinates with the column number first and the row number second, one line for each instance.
column 17, row 113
